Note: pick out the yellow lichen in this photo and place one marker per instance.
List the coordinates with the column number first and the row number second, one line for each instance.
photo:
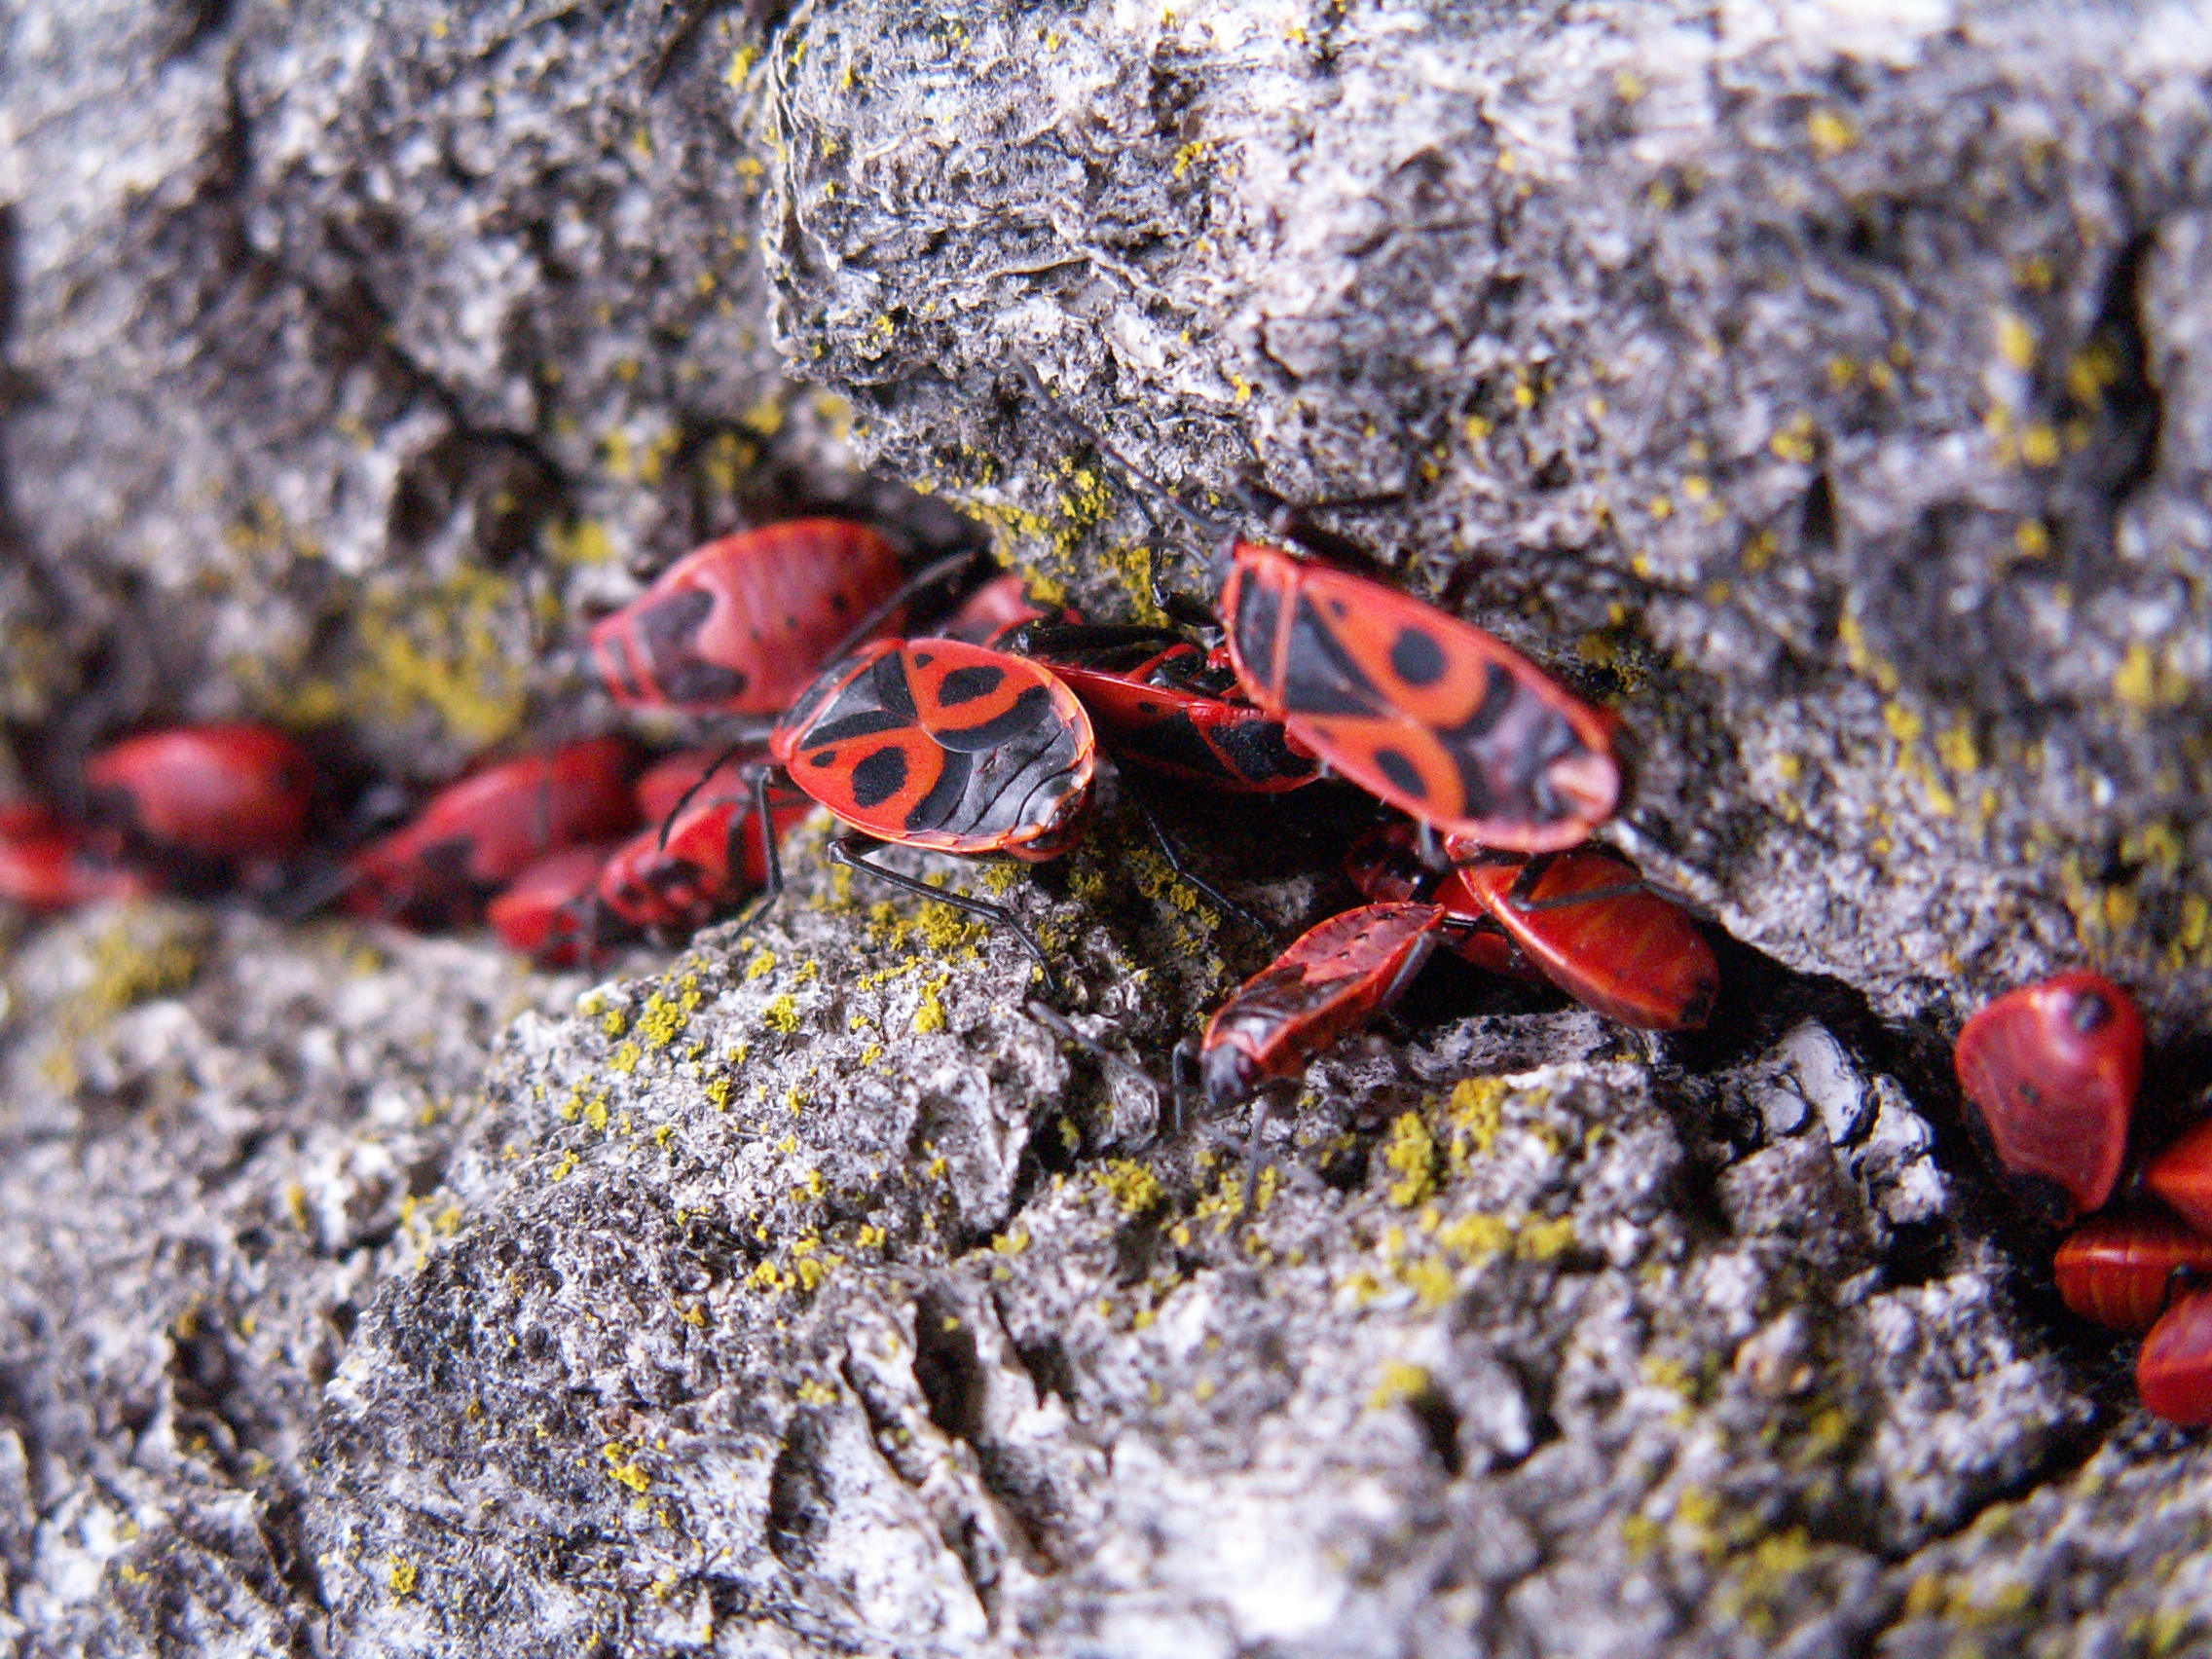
column 1129, row 1184
column 1401, row 1380
column 1411, row 1156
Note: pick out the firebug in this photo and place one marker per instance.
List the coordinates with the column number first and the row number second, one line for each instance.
column 476, row 835
column 2120, row 1270
column 45, row 864
column 2174, row 1371
column 1587, row 921
column 2049, row 1073
column 238, row 791
column 740, row 625
column 2182, row 1175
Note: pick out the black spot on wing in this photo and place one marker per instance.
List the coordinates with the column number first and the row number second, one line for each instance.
column 879, row 775
column 877, row 699
column 1319, row 678
column 666, row 631
column 838, row 726
column 887, row 679
column 1257, row 610
column 1415, row 657
column 1403, row 774
column 966, row 684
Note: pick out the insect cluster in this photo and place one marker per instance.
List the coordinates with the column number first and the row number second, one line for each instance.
column 929, row 710
column 947, row 709
column 2050, row 1072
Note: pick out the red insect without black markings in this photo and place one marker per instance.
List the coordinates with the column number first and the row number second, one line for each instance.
column 1334, row 979
column 1385, row 864
column 2121, row 1269
column 1157, row 704
column 934, row 743
column 545, row 910
column 2182, row 1175
column 2174, row 1371
column 234, row 790
column 45, row 865
column 740, row 625
column 1628, row 955
column 2050, row 1071
column 476, row 835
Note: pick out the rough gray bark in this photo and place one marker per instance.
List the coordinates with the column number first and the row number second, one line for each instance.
column 1826, row 390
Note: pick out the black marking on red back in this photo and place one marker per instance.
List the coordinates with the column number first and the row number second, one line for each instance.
column 666, row 632
column 996, row 776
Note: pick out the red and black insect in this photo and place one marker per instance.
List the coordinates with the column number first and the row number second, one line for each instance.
column 200, row 794
column 1159, row 705
column 697, row 861
column 939, row 744
column 2121, row 1269
column 740, row 625
column 546, row 912
column 933, row 743
column 2182, row 1175
column 1386, row 863
column 1333, row 980
column 997, row 608
column 2173, row 1372
column 45, row 864
column 2049, row 1073
column 1592, row 927
column 1422, row 710
column 475, row 836
column 1584, row 920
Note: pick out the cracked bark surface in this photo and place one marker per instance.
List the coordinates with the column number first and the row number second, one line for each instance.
column 1824, row 387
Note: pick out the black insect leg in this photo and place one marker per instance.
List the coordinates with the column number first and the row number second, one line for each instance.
column 1048, row 1015
column 1228, row 905
column 1253, row 1150
column 841, row 851
column 1524, row 884
column 942, row 573
column 1183, row 1074
column 1294, row 525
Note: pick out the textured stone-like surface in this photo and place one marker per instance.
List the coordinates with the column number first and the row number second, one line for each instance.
column 1823, row 386
column 1825, row 383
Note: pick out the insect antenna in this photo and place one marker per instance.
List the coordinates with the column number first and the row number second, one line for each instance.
column 1171, row 1093
column 939, row 573
column 1045, row 1014
column 1181, row 606
column 1293, row 522
column 1213, row 529
column 729, row 753
column 1226, row 904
